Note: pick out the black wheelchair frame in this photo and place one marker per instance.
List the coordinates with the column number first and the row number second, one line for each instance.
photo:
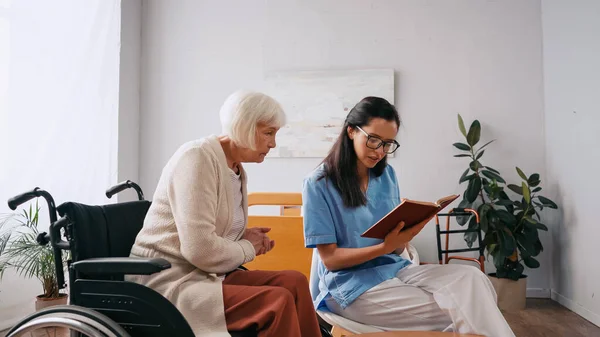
column 99, row 238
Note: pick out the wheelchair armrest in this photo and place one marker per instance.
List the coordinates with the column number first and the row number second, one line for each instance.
column 121, row 265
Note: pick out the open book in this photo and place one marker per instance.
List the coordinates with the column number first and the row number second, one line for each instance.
column 412, row 212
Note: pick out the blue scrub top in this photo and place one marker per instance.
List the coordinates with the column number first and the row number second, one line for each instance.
column 327, row 220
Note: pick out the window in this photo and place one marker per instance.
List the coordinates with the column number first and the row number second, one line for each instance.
column 4, row 57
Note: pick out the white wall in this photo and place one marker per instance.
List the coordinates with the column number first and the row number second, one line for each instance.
column 58, row 112
column 129, row 95
column 572, row 104
column 479, row 58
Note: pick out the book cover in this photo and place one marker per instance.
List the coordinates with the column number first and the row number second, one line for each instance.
column 412, row 212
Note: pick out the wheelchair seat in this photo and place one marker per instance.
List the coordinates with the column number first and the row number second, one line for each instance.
column 100, row 239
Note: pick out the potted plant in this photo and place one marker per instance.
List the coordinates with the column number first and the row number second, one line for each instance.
column 510, row 226
column 20, row 251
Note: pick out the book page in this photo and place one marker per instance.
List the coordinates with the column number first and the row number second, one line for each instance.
column 446, row 200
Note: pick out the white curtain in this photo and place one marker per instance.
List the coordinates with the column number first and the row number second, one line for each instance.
column 59, row 84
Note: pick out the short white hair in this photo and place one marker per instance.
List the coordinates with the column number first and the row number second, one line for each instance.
column 243, row 110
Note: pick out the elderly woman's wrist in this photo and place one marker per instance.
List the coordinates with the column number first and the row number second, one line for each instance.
column 248, row 248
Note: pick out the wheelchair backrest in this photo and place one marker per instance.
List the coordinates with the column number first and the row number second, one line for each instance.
column 103, row 231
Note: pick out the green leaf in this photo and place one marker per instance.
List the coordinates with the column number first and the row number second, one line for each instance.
column 473, row 189
column 462, row 177
column 462, row 155
column 531, row 233
column 493, row 219
column 499, row 259
column 486, row 186
column 493, row 176
column 474, row 133
column 538, row 247
column 483, row 219
column 462, row 146
column 491, row 169
column 490, row 240
column 527, row 248
column 521, row 174
column 504, row 196
column 486, row 144
column 462, row 219
column 504, row 202
column 475, row 165
column 547, row 202
column 471, row 237
column 526, row 192
column 479, row 155
column 507, row 243
column 533, row 178
column 506, row 217
column 531, row 262
column 516, row 189
column 540, row 226
column 461, row 125
column 468, row 178
column 537, row 189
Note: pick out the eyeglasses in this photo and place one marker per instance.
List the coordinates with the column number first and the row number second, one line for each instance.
column 376, row 142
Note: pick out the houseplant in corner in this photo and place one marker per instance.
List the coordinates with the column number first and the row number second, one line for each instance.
column 510, row 226
column 19, row 250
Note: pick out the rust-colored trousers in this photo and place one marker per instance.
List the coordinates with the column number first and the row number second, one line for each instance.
column 276, row 303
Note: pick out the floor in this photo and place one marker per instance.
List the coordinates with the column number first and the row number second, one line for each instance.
column 542, row 318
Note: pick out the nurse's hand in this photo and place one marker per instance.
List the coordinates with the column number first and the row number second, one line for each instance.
column 398, row 238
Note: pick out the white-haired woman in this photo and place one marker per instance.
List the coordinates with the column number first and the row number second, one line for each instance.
column 198, row 219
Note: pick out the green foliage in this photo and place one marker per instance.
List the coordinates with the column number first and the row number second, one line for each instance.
column 510, row 226
column 19, row 250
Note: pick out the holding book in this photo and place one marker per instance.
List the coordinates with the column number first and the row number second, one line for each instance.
column 410, row 213
column 361, row 275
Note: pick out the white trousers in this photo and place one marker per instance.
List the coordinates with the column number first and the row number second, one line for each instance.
column 449, row 297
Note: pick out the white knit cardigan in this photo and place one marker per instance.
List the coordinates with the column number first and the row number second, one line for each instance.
column 191, row 212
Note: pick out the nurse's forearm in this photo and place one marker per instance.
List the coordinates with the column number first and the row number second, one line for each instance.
column 335, row 258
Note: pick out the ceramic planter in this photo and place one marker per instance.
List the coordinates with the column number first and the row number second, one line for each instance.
column 512, row 294
column 42, row 302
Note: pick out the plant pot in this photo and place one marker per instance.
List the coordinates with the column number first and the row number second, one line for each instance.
column 512, row 294
column 43, row 302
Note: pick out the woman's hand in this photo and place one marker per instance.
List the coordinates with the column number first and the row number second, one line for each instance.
column 268, row 244
column 399, row 238
column 259, row 239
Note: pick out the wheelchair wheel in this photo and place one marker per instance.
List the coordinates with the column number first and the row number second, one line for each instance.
column 85, row 321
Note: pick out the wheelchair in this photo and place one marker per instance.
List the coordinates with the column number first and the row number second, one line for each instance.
column 102, row 304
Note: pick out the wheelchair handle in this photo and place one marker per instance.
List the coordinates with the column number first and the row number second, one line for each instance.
column 20, row 199
column 55, row 226
column 123, row 186
column 43, row 238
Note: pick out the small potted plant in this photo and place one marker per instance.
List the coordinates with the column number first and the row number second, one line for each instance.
column 510, row 226
column 20, row 251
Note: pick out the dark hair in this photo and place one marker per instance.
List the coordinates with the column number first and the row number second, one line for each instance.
column 340, row 165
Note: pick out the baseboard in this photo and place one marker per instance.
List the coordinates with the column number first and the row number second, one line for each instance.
column 577, row 308
column 538, row 293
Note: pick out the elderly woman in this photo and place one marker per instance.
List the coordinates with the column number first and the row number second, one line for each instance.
column 198, row 220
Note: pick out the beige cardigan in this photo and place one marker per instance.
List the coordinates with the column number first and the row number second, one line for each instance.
column 191, row 212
